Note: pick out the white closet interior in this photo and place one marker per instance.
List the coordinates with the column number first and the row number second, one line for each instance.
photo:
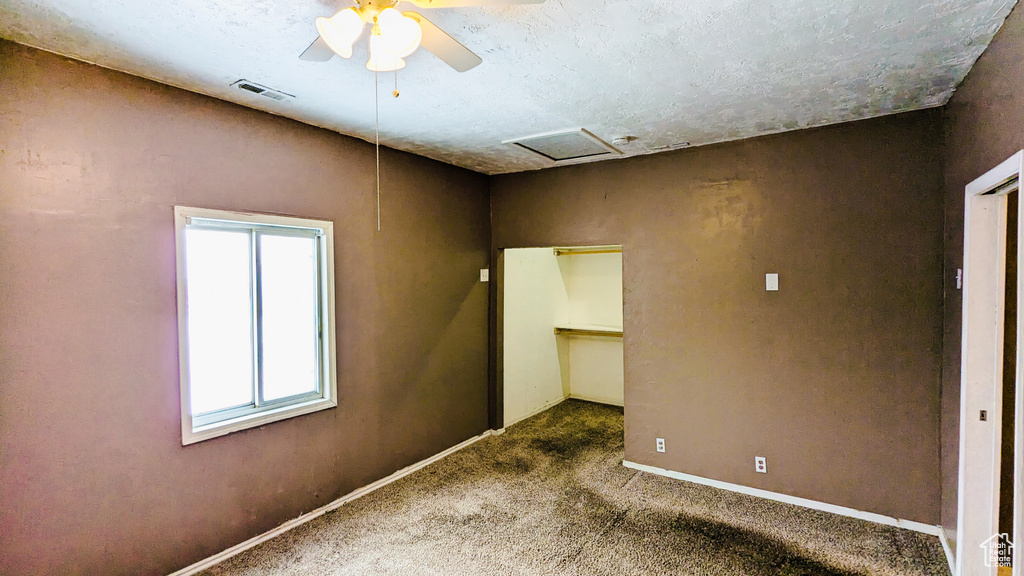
column 562, row 327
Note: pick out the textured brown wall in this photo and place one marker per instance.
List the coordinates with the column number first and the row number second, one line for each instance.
column 835, row 378
column 984, row 125
column 93, row 477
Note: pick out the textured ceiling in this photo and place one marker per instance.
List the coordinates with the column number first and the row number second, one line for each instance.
column 665, row 71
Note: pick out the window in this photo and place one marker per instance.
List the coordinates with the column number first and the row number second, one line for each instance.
column 255, row 319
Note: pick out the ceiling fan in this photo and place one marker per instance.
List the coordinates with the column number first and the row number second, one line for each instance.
column 394, row 34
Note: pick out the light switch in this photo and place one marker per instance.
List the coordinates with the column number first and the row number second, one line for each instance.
column 771, row 282
column 485, row 274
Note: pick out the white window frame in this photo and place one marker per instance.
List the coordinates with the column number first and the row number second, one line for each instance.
column 205, row 427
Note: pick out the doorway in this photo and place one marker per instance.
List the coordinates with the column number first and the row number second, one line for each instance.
column 1009, row 381
column 560, row 323
column 991, row 396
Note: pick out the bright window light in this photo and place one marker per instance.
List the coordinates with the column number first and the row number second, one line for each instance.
column 220, row 323
column 255, row 307
column 289, row 309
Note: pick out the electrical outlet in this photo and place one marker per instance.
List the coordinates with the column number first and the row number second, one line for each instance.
column 760, row 464
column 485, row 274
column 659, row 444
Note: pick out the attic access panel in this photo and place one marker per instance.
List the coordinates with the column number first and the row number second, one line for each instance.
column 565, row 145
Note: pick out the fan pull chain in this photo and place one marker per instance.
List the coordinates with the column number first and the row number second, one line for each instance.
column 376, row 139
column 395, row 94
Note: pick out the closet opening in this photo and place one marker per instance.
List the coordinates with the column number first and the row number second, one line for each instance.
column 560, row 328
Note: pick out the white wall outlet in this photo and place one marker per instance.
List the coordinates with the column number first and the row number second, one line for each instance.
column 485, row 274
column 760, row 464
column 659, row 444
column 771, row 282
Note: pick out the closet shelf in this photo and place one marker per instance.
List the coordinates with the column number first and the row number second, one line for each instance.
column 610, row 249
column 588, row 330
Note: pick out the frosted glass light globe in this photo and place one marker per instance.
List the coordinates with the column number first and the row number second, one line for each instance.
column 341, row 31
column 382, row 59
column 400, row 34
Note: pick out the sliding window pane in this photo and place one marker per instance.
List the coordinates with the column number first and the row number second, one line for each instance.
column 220, row 350
column 288, row 284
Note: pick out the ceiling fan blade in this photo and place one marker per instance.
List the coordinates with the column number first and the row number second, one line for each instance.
column 318, row 51
column 443, row 46
column 461, row 3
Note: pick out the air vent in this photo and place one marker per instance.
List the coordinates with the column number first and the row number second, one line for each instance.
column 675, row 146
column 251, row 88
column 262, row 90
column 566, row 146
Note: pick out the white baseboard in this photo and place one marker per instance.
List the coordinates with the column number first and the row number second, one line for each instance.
column 950, row 557
column 355, row 494
column 813, row 504
column 535, row 411
column 595, row 400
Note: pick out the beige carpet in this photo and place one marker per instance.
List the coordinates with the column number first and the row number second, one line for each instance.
column 550, row 496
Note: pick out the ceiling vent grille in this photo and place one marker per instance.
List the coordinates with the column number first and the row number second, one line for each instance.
column 565, row 146
column 262, row 90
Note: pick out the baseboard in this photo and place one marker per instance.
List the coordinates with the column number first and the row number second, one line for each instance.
column 950, row 557
column 354, row 495
column 594, row 400
column 534, row 412
column 813, row 504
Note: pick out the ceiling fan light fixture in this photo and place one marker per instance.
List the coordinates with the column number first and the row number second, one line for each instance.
column 382, row 59
column 399, row 34
column 341, row 31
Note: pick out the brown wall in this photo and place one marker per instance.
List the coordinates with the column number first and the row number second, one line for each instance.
column 93, row 477
column 984, row 125
column 835, row 378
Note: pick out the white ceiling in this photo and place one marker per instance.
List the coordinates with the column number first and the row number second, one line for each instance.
column 665, row 71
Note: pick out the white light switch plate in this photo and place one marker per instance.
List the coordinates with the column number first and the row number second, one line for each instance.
column 771, row 282
column 485, row 274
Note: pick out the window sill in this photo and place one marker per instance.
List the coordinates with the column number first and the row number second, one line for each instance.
column 190, row 435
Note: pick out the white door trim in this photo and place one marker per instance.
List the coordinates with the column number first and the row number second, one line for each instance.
column 982, row 365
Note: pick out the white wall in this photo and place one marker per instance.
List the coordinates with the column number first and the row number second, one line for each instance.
column 594, row 286
column 536, row 362
column 595, row 368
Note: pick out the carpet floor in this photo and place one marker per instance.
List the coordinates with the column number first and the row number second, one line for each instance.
column 550, row 496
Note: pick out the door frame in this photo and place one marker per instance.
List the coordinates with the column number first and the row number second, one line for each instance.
column 985, row 207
